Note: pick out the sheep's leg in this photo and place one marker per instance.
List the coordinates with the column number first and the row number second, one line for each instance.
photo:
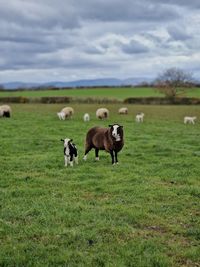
column 87, row 149
column 97, row 153
column 112, row 156
column 71, row 160
column 116, row 159
column 76, row 159
column 66, row 160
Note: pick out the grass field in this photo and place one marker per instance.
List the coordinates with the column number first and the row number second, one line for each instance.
column 143, row 212
column 116, row 93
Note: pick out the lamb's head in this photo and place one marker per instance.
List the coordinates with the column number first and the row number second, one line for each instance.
column 116, row 132
column 66, row 141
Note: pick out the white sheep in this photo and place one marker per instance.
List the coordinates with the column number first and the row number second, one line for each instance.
column 190, row 120
column 86, row 117
column 123, row 111
column 66, row 112
column 5, row 111
column 102, row 113
column 139, row 117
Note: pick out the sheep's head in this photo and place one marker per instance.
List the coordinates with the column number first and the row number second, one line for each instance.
column 116, row 131
column 66, row 141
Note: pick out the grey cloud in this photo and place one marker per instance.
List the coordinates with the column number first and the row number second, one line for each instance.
column 42, row 15
column 134, row 47
column 178, row 33
column 93, row 50
column 100, row 34
column 180, row 3
column 126, row 11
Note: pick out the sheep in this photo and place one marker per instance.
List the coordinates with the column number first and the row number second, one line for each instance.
column 86, row 117
column 70, row 152
column 190, row 120
column 66, row 112
column 102, row 113
column 139, row 117
column 108, row 139
column 5, row 111
column 123, row 111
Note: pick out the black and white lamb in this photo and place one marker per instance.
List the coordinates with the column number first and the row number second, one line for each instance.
column 70, row 152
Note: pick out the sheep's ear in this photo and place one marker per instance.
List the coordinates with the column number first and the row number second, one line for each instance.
column 121, row 126
column 62, row 140
column 70, row 140
column 109, row 125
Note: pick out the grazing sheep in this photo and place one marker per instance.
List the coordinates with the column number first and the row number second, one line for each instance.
column 139, row 117
column 70, row 152
column 123, row 111
column 190, row 120
column 108, row 139
column 86, row 117
column 66, row 112
column 61, row 115
column 102, row 113
column 5, row 111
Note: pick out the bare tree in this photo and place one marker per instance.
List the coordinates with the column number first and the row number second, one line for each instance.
column 174, row 81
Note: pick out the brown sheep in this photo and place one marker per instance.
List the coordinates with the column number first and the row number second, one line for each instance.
column 108, row 139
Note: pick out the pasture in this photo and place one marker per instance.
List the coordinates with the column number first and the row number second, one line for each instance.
column 114, row 93
column 142, row 212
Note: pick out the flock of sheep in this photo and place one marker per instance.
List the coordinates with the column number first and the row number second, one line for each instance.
column 101, row 113
column 109, row 139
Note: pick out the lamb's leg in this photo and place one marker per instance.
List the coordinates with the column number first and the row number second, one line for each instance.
column 71, row 160
column 66, row 161
column 112, row 156
column 97, row 153
column 76, row 159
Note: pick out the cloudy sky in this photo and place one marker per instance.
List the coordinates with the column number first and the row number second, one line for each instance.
column 51, row 40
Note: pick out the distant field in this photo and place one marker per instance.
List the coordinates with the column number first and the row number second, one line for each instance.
column 117, row 93
column 143, row 212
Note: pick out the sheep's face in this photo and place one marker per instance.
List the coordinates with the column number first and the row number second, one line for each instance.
column 66, row 142
column 116, row 132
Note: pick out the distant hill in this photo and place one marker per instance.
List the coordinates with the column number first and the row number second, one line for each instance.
column 77, row 83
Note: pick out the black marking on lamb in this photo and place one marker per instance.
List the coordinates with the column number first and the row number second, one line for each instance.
column 72, row 150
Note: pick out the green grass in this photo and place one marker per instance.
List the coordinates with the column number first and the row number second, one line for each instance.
column 117, row 93
column 143, row 212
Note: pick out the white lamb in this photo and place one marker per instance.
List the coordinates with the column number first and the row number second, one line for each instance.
column 5, row 111
column 139, row 117
column 102, row 113
column 86, row 117
column 123, row 111
column 190, row 120
column 66, row 112
column 61, row 115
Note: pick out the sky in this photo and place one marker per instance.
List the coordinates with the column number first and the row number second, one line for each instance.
column 66, row 40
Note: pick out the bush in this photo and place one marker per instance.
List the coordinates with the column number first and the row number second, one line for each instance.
column 162, row 101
